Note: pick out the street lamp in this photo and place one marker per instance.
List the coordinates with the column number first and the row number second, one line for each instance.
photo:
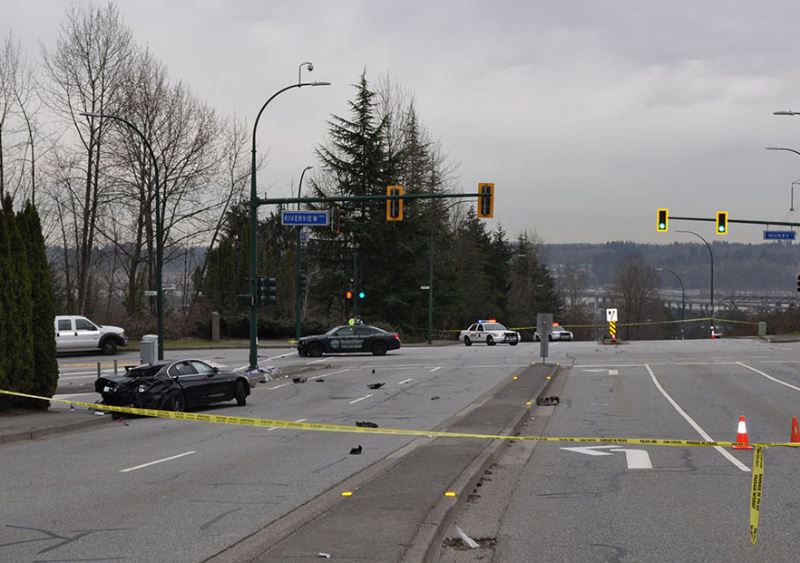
column 711, row 256
column 254, row 213
column 159, row 228
column 683, row 296
column 298, row 293
column 791, row 205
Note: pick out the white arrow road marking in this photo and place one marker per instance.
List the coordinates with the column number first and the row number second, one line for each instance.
column 636, row 459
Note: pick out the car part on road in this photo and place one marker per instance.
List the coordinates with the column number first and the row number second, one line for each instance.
column 375, row 385
column 357, row 450
column 365, row 424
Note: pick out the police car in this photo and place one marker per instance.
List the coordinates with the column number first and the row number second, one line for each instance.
column 489, row 331
column 349, row 339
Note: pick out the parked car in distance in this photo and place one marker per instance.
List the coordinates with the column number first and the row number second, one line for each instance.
column 173, row 385
column 489, row 332
column 557, row 333
column 349, row 339
column 79, row 334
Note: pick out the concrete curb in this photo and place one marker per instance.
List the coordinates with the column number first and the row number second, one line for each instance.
column 36, row 433
column 425, row 546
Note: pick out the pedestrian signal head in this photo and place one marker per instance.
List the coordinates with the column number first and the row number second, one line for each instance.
column 485, row 200
column 662, row 220
column 722, row 223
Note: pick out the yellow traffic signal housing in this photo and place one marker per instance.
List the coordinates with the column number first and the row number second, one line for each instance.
column 662, row 220
column 486, row 200
column 394, row 203
column 722, row 222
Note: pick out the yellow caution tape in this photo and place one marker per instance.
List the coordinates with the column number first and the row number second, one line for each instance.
column 758, row 456
column 756, row 489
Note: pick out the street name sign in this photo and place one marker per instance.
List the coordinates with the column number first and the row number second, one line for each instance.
column 305, row 218
column 779, row 235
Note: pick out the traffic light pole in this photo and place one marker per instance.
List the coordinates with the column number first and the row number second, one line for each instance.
column 256, row 201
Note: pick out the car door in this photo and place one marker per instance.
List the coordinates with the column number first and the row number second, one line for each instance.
column 480, row 334
column 189, row 380
column 215, row 387
column 340, row 341
column 87, row 334
column 365, row 337
column 66, row 337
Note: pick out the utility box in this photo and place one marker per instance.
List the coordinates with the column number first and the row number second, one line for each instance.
column 762, row 328
column 149, row 348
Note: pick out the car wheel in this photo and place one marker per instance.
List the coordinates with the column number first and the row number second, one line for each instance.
column 315, row 349
column 467, row 341
column 379, row 348
column 108, row 347
column 489, row 341
column 513, row 343
column 241, row 395
column 175, row 402
column 550, row 337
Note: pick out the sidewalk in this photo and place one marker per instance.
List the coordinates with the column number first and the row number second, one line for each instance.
column 21, row 424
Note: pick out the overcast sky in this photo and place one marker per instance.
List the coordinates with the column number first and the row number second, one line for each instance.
column 587, row 115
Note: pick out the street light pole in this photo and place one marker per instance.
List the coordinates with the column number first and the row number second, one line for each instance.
column 254, row 215
column 683, row 296
column 159, row 230
column 711, row 256
column 298, row 250
column 791, row 204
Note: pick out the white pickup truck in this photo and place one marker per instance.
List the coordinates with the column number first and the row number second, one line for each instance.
column 79, row 334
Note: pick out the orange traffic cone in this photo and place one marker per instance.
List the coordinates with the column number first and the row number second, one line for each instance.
column 742, row 441
column 795, row 437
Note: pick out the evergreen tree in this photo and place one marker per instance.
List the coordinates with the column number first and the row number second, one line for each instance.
column 5, row 313
column 45, row 366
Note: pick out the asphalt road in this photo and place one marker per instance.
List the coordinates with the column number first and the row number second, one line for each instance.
column 542, row 502
column 158, row 490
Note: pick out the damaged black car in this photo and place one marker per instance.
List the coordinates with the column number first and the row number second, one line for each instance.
column 173, row 385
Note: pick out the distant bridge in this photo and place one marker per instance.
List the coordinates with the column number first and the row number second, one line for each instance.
column 697, row 300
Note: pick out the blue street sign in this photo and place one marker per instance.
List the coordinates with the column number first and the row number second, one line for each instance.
column 779, row 235
column 305, row 218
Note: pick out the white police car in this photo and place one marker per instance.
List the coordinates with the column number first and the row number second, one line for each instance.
column 489, row 331
column 556, row 333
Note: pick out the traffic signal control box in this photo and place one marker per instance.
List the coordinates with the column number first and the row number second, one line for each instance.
column 662, row 220
column 722, row 223
column 485, row 200
column 394, row 203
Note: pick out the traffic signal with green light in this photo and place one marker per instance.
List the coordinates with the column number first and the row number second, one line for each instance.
column 394, row 203
column 485, row 200
column 267, row 292
column 722, row 223
column 361, row 295
column 662, row 220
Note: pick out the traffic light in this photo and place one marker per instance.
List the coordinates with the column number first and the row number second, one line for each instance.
column 485, row 200
column 348, row 295
column 662, row 221
column 301, row 286
column 361, row 295
column 336, row 219
column 267, row 293
column 798, row 282
column 394, row 203
column 722, row 222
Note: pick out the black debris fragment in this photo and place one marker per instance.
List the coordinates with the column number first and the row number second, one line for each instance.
column 357, row 450
column 318, row 380
column 299, row 380
column 547, row 401
column 365, row 424
column 375, row 385
column 435, row 398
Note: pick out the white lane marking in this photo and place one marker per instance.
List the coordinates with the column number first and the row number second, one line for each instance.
column 636, row 459
column 275, row 427
column 603, row 370
column 436, row 369
column 282, row 355
column 73, row 395
column 613, row 372
column 329, row 374
column 722, row 451
column 499, row 366
column 775, row 379
column 157, row 461
column 405, row 381
column 318, row 361
column 278, row 386
column 80, row 377
column 361, row 399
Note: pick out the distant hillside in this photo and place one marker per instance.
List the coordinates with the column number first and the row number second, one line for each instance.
column 771, row 267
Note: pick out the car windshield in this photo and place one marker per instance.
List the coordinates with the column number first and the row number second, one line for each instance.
column 494, row 326
column 333, row 330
